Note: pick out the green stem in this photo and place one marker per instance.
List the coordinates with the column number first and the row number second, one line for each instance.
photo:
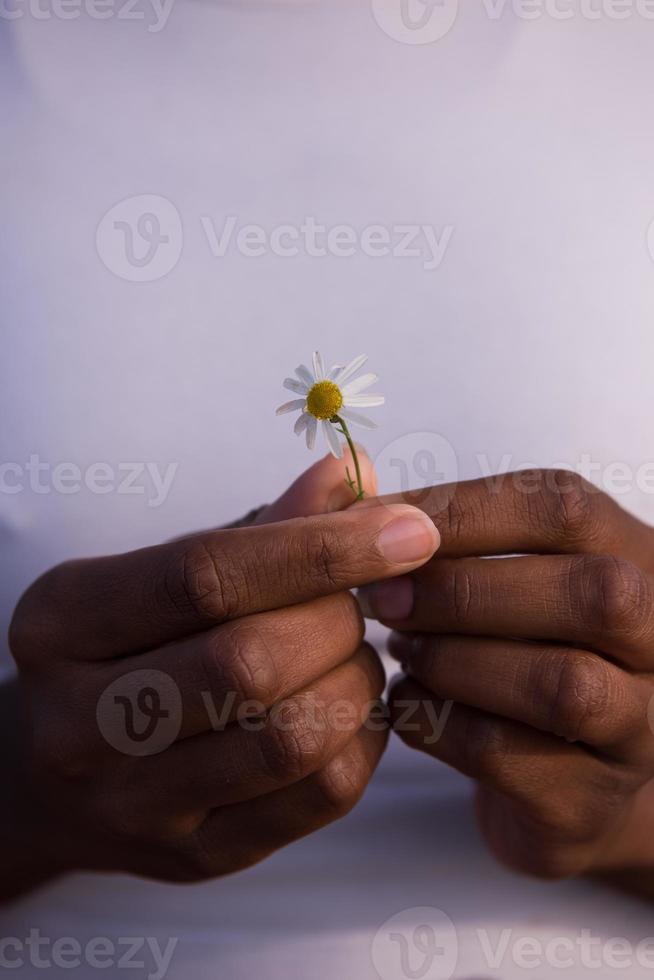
column 358, row 488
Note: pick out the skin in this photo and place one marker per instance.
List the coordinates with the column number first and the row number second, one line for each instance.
column 259, row 613
column 548, row 657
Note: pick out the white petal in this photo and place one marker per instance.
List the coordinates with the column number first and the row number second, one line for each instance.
column 304, row 374
column 318, row 366
column 312, row 428
column 363, row 401
column 333, row 441
column 359, row 384
column 298, row 386
column 358, row 418
column 301, row 424
column 334, row 372
column 293, row 406
column 351, row 368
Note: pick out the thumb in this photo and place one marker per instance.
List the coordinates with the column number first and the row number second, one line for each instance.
column 321, row 489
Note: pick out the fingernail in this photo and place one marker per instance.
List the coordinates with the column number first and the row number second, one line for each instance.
column 390, row 600
column 409, row 538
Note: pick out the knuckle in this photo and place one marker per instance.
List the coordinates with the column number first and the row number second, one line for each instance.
column 136, row 810
column 194, row 857
column 618, row 595
column 214, row 849
column 347, row 611
column 34, row 627
column 373, row 669
column 485, row 748
column 324, row 557
column 580, row 686
column 59, row 757
column 201, row 864
column 172, row 830
column 574, row 824
column 201, row 858
column 342, row 782
column 459, row 594
column 579, row 818
column 545, row 861
column 459, row 514
column 243, row 663
column 292, row 746
column 201, row 582
column 572, row 507
column 534, row 844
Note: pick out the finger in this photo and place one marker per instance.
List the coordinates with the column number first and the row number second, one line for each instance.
column 532, row 511
column 258, row 755
column 253, row 663
column 321, row 489
column 236, row 837
column 570, row 693
column 589, row 600
column 564, row 789
column 103, row 607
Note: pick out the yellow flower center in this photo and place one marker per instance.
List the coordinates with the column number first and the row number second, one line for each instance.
column 324, row 400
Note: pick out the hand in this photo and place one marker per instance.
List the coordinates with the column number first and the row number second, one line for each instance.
column 259, row 618
column 549, row 660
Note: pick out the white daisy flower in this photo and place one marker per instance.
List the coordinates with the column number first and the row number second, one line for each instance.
column 330, row 398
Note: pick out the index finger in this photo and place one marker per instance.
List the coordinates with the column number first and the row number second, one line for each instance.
column 529, row 512
column 129, row 603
